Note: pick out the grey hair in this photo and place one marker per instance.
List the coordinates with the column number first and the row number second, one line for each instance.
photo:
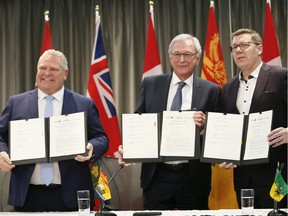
column 186, row 37
column 61, row 57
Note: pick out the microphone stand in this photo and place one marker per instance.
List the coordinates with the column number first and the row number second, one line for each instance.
column 102, row 211
column 276, row 211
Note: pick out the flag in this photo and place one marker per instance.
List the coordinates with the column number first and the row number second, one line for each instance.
column 95, row 176
column 47, row 39
column 213, row 68
column 271, row 54
column 102, row 188
column 100, row 90
column 279, row 187
column 152, row 63
column 222, row 193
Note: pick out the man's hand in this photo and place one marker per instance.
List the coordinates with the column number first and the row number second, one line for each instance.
column 227, row 166
column 5, row 162
column 199, row 119
column 120, row 158
column 278, row 137
column 81, row 158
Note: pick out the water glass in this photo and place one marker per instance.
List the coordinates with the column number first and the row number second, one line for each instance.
column 247, row 201
column 83, row 197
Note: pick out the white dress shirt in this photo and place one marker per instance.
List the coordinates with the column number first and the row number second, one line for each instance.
column 246, row 91
column 187, row 92
column 57, row 110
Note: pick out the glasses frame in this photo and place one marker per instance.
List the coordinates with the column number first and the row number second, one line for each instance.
column 186, row 56
column 242, row 46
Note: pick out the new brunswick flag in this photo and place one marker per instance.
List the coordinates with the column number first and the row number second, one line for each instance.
column 279, row 187
column 222, row 193
column 213, row 68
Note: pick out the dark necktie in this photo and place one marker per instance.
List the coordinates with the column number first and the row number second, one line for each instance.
column 177, row 100
column 47, row 174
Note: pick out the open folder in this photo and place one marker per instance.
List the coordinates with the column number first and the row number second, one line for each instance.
column 47, row 139
column 237, row 139
column 171, row 135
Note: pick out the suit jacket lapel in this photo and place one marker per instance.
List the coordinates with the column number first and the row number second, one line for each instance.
column 69, row 103
column 33, row 104
column 196, row 94
column 164, row 91
column 260, row 85
column 232, row 100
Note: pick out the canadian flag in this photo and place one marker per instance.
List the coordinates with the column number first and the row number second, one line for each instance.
column 271, row 54
column 152, row 63
column 47, row 39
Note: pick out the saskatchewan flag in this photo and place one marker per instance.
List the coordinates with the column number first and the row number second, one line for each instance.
column 279, row 187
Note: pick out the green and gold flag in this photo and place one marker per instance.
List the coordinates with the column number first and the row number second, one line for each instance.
column 279, row 187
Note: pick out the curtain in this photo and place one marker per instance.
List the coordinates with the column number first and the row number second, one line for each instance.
column 124, row 24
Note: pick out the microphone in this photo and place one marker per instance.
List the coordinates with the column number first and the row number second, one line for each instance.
column 114, row 174
column 103, row 206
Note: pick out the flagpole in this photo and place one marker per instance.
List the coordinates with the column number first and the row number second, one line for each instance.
column 230, row 31
column 97, row 10
column 46, row 15
column 151, row 10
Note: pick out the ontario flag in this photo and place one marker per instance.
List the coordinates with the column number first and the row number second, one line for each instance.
column 271, row 54
column 222, row 193
column 152, row 63
column 46, row 39
column 100, row 90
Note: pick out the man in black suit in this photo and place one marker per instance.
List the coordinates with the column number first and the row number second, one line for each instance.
column 179, row 184
column 258, row 87
column 28, row 190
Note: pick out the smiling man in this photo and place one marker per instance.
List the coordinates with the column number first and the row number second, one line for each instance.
column 30, row 190
column 182, row 184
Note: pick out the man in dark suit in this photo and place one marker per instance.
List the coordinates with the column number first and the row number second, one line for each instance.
column 27, row 189
column 179, row 184
column 258, row 87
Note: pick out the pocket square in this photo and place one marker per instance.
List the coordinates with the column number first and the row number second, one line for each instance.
column 268, row 92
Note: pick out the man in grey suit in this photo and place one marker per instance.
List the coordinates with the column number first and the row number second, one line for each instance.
column 179, row 184
column 258, row 87
column 28, row 191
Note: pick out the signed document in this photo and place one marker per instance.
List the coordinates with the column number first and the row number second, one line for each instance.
column 239, row 139
column 47, row 139
column 178, row 134
column 159, row 137
column 140, row 137
column 27, row 140
column 67, row 135
column 259, row 125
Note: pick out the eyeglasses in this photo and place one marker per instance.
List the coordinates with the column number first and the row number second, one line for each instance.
column 186, row 56
column 243, row 46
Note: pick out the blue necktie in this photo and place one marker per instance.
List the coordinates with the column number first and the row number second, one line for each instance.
column 47, row 168
column 177, row 100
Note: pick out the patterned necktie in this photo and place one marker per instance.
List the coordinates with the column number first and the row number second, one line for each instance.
column 47, row 174
column 177, row 100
